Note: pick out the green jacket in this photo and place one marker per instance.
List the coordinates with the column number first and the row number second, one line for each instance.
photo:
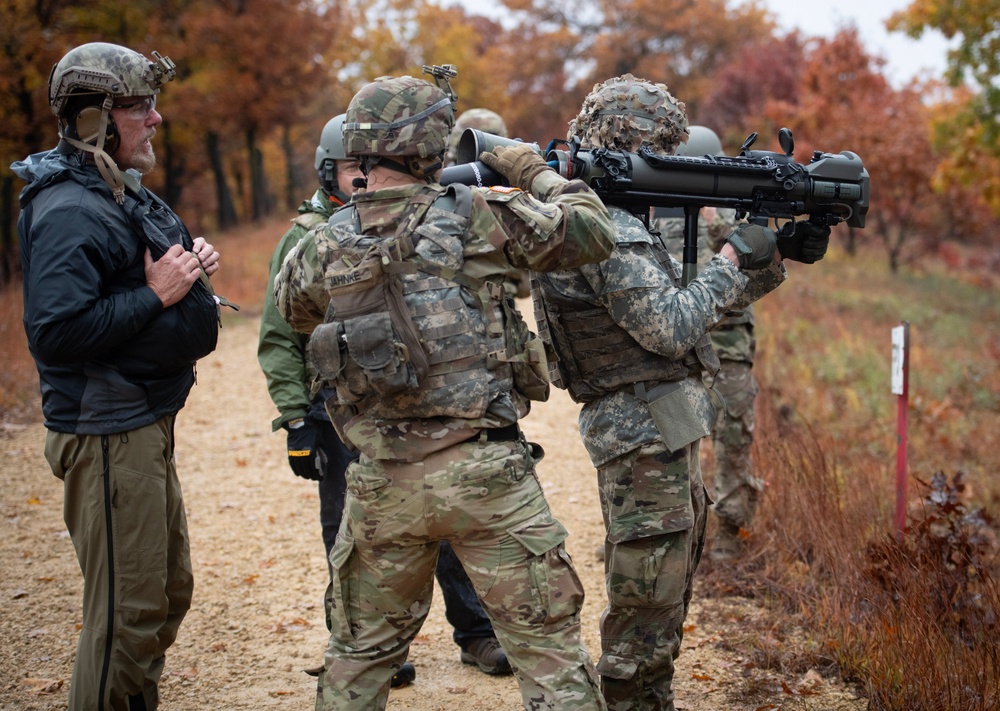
column 281, row 351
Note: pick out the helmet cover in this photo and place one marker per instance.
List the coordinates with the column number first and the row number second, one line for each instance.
column 482, row 119
column 103, row 69
column 398, row 116
column 624, row 112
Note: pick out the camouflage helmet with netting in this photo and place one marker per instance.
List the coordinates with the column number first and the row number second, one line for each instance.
column 480, row 119
column 100, row 69
column 398, row 116
column 625, row 112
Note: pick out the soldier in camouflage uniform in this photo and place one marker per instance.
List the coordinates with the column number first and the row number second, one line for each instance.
column 442, row 457
column 518, row 281
column 631, row 345
column 735, row 488
column 314, row 448
column 481, row 119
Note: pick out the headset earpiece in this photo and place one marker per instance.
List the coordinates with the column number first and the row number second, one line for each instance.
column 88, row 123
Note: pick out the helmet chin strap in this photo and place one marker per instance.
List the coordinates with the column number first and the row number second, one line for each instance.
column 105, row 165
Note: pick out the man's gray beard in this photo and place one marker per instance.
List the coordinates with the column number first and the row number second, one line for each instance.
column 146, row 164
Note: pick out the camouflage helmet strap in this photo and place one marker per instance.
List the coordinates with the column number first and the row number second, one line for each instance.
column 622, row 112
column 365, row 126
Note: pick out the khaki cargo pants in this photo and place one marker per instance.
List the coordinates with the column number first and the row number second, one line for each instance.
column 125, row 515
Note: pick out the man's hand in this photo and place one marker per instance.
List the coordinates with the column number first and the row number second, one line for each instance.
column 803, row 241
column 304, row 457
column 172, row 275
column 753, row 244
column 206, row 254
column 519, row 163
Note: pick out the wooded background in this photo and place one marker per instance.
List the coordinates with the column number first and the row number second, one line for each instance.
column 257, row 80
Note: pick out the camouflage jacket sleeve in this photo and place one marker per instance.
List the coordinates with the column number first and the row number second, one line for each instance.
column 561, row 225
column 641, row 296
column 759, row 283
column 280, row 350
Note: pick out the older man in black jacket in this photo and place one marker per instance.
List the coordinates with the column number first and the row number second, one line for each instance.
column 117, row 308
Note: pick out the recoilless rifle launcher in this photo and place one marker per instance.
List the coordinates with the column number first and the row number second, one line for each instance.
column 758, row 185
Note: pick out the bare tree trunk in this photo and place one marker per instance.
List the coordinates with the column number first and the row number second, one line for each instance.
column 173, row 169
column 8, row 244
column 293, row 189
column 851, row 243
column 261, row 202
column 225, row 210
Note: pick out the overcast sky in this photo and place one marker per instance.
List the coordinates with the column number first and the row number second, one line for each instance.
column 906, row 57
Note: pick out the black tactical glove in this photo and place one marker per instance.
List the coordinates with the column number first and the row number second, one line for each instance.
column 754, row 245
column 304, row 457
column 803, row 241
column 519, row 163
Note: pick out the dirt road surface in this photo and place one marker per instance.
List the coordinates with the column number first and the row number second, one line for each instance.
column 257, row 619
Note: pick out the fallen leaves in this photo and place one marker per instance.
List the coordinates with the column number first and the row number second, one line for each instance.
column 42, row 686
column 299, row 624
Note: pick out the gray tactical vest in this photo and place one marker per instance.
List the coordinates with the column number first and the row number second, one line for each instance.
column 590, row 355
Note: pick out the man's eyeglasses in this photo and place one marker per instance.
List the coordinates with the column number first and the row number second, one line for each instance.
column 138, row 107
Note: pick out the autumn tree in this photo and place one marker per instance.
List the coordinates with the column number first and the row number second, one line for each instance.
column 751, row 91
column 845, row 102
column 677, row 42
column 970, row 137
column 249, row 88
column 967, row 176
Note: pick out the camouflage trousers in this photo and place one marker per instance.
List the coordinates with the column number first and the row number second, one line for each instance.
column 735, row 489
column 654, row 506
column 486, row 500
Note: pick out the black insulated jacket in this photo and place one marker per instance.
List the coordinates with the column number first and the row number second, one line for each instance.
column 110, row 358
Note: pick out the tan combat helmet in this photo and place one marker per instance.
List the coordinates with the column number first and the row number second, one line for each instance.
column 82, row 89
column 481, row 119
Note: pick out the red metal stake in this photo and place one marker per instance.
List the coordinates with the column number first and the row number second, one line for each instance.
column 902, row 408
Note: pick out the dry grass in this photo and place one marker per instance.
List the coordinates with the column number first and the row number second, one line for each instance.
column 913, row 621
column 19, row 396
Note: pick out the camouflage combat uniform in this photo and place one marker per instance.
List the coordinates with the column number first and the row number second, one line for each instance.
column 735, row 488
column 468, row 478
column 632, row 346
